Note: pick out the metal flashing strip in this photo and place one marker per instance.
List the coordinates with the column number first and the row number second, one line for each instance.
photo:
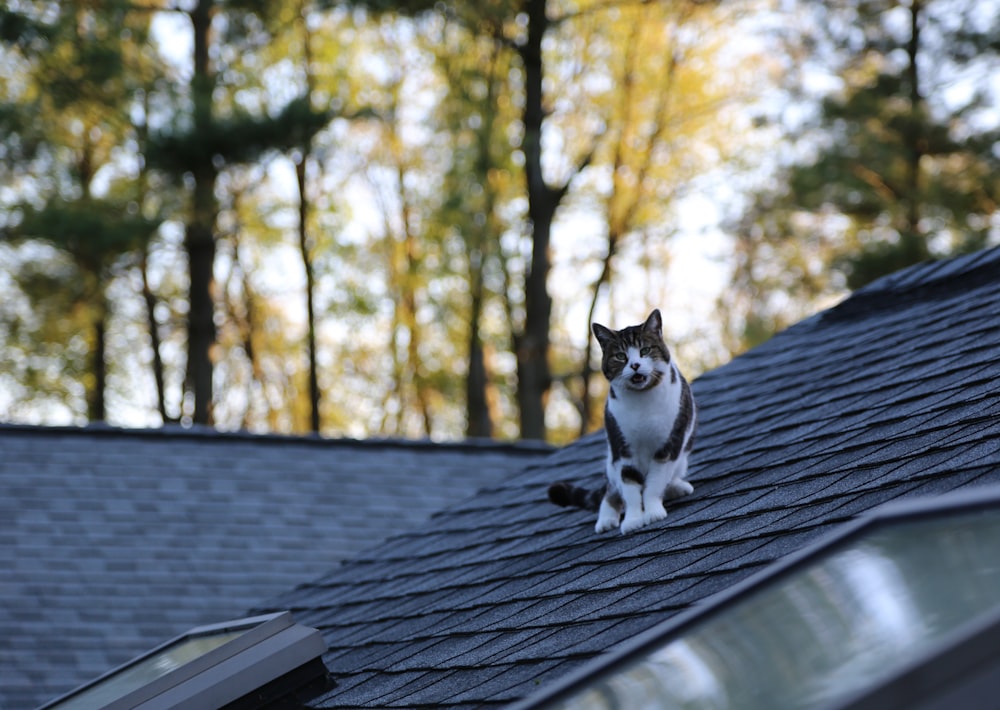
column 208, row 666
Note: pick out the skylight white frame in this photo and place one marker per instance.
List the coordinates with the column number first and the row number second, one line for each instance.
column 964, row 664
column 270, row 646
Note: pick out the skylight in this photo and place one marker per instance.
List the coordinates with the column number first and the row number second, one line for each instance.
column 209, row 667
column 877, row 606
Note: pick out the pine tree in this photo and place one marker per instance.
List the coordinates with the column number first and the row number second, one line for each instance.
column 898, row 166
column 63, row 125
column 200, row 146
column 902, row 163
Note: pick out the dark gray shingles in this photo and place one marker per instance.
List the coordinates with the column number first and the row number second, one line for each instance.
column 111, row 542
column 889, row 395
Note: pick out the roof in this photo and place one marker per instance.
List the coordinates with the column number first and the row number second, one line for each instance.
column 112, row 541
column 874, row 602
column 890, row 395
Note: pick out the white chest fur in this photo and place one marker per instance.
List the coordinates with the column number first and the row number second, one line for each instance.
column 646, row 417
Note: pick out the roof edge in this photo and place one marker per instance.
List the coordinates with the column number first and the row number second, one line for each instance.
column 177, row 431
column 928, row 279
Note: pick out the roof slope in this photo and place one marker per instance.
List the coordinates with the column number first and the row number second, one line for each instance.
column 889, row 395
column 114, row 541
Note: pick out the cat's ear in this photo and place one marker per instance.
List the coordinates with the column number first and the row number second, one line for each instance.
column 654, row 324
column 603, row 334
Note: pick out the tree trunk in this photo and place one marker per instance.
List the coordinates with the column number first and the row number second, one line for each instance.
column 304, row 245
column 532, row 344
column 199, row 238
column 478, row 420
column 96, row 410
column 478, row 423
column 304, row 251
column 587, row 371
column 912, row 234
column 408, row 308
column 148, row 297
column 154, row 336
column 93, row 268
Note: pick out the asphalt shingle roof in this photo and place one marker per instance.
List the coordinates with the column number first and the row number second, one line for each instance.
column 889, row 395
column 113, row 541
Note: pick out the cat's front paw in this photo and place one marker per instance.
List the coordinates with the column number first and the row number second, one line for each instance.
column 605, row 523
column 653, row 514
column 632, row 523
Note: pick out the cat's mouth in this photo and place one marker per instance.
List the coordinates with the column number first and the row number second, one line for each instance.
column 638, row 379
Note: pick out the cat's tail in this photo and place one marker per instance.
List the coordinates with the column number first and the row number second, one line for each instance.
column 565, row 494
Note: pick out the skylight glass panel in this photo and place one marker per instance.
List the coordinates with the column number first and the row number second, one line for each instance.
column 211, row 666
column 162, row 662
column 826, row 630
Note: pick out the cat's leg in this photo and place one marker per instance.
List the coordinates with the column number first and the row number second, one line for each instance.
column 679, row 485
column 659, row 476
column 633, row 484
column 610, row 513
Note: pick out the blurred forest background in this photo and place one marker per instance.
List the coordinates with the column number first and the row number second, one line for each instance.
column 381, row 218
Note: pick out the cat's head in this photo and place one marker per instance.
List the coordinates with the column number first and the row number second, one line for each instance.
column 635, row 357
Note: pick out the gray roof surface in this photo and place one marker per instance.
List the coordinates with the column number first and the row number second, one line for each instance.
column 113, row 541
column 890, row 395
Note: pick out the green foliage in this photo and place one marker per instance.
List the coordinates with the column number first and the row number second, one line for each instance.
column 22, row 135
column 416, row 224
column 95, row 232
column 898, row 166
column 23, row 31
column 405, row 7
column 44, row 317
column 240, row 138
column 73, row 71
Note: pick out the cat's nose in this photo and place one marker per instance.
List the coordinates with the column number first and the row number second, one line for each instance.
column 635, row 366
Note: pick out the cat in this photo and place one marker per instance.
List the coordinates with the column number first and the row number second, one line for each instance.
column 649, row 418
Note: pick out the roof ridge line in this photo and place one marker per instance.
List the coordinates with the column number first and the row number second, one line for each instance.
column 930, row 279
column 209, row 433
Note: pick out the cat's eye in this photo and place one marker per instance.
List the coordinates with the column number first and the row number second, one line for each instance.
column 619, row 357
column 645, row 351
